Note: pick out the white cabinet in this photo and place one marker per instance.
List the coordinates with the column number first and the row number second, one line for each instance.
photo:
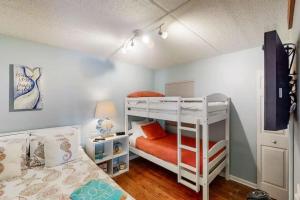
column 113, row 151
column 272, row 154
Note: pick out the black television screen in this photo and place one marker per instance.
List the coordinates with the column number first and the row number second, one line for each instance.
column 276, row 80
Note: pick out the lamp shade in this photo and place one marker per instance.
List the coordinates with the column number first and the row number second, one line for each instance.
column 105, row 109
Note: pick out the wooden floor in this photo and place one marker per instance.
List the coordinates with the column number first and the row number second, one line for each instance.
column 147, row 181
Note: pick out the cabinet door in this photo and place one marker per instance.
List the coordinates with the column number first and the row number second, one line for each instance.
column 273, row 166
column 274, row 174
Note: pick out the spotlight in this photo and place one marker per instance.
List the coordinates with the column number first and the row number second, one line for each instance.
column 131, row 45
column 128, row 46
column 162, row 34
column 124, row 49
column 146, row 39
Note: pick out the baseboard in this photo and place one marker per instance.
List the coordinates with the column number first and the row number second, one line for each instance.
column 243, row 181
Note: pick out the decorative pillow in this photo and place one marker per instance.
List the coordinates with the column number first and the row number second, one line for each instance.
column 37, row 140
column 145, row 94
column 136, row 127
column 153, row 131
column 60, row 149
column 10, row 160
column 37, row 156
column 18, row 137
column 134, row 124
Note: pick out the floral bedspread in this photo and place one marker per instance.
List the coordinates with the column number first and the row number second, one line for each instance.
column 56, row 183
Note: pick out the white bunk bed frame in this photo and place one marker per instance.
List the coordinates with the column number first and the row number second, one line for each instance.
column 160, row 107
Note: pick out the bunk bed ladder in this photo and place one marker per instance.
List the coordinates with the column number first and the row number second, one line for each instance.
column 182, row 166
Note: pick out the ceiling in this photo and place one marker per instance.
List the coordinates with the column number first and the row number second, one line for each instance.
column 197, row 28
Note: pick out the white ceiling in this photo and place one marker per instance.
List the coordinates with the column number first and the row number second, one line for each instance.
column 197, row 29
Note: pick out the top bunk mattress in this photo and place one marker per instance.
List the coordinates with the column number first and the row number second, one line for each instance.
column 55, row 183
column 167, row 105
column 165, row 110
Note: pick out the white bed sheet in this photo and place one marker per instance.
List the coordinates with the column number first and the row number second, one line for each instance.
column 55, row 183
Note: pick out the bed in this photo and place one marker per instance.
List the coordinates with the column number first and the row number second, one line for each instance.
column 55, row 183
column 41, row 183
column 166, row 149
column 199, row 160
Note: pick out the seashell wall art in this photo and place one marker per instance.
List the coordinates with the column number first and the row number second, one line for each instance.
column 25, row 90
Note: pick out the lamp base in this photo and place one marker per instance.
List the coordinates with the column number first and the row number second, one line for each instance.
column 104, row 127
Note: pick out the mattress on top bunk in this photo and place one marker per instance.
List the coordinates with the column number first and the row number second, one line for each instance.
column 166, row 149
column 165, row 105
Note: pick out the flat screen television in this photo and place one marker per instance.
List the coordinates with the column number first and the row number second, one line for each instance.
column 277, row 100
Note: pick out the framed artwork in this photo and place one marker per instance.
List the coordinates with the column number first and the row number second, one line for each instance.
column 25, row 90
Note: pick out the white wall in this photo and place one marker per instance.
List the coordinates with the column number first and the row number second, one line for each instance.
column 72, row 83
column 234, row 75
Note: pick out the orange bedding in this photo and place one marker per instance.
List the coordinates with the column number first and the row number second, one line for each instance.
column 166, row 149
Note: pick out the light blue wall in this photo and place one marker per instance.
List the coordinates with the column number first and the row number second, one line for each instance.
column 234, row 75
column 72, row 83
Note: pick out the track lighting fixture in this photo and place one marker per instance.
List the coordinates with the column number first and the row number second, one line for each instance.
column 130, row 43
column 161, row 33
column 124, row 49
column 128, row 46
column 146, row 39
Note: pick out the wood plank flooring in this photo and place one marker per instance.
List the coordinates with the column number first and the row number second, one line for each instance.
column 148, row 181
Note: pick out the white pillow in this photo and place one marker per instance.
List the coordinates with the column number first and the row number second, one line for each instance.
column 60, row 149
column 136, row 123
column 10, row 160
column 137, row 127
column 18, row 137
column 133, row 136
column 137, row 131
column 37, row 140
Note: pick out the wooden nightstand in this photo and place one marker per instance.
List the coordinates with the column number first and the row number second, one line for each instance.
column 113, row 152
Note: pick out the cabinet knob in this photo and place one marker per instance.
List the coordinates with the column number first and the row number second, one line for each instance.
column 274, row 142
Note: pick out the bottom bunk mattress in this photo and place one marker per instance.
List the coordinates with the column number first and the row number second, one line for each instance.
column 166, row 149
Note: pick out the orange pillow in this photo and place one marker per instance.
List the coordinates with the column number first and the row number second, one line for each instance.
column 153, row 131
column 145, row 94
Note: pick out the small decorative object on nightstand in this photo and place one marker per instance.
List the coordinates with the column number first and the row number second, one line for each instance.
column 117, row 148
column 111, row 154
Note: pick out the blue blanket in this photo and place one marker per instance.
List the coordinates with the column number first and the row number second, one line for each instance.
column 97, row 190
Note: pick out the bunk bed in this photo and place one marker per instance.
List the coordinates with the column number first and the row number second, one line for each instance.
column 210, row 158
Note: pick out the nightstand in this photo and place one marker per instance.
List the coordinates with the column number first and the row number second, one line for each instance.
column 111, row 154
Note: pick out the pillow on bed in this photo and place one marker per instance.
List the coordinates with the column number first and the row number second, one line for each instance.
column 153, row 131
column 60, row 149
column 10, row 160
column 145, row 94
column 37, row 142
column 135, row 124
column 136, row 127
column 18, row 137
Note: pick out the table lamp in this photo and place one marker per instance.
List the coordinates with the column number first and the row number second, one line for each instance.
column 105, row 111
